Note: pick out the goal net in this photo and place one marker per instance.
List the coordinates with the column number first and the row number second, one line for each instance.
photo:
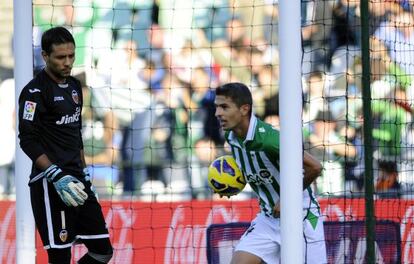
column 149, row 70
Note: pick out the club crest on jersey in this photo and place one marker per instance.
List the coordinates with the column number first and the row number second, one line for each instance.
column 63, row 235
column 75, row 96
column 29, row 110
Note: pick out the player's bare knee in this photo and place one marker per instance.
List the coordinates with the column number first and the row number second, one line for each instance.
column 242, row 257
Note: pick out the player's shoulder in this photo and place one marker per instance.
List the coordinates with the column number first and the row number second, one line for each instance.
column 37, row 85
column 263, row 128
column 266, row 136
column 74, row 81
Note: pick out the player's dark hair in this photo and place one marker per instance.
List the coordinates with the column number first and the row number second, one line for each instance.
column 237, row 92
column 56, row 36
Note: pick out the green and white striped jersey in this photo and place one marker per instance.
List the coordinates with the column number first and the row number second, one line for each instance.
column 258, row 158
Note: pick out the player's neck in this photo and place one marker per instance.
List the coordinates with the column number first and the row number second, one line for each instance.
column 242, row 130
column 54, row 77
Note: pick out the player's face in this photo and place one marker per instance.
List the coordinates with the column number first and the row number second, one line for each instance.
column 227, row 112
column 60, row 61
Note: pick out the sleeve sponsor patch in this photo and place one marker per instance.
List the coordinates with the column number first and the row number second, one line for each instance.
column 29, row 110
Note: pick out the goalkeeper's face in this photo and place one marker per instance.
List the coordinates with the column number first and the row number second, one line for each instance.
column 230, row 116
column 59, row 61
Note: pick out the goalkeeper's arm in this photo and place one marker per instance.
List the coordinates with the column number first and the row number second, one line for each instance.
column 68, row 187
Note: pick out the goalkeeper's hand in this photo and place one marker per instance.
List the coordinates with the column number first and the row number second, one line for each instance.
column 68, row 187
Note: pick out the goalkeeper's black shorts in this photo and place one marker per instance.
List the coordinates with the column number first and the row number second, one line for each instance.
column 61, row 226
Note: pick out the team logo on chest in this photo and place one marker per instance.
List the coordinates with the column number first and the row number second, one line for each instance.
column 75, row 96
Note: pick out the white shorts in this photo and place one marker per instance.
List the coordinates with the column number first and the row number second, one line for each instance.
column 262, row 239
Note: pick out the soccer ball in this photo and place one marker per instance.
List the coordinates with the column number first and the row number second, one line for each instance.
column 225, row 177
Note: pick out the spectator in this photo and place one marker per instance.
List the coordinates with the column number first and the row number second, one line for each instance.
column 156, row 52
column 387, row 185
column 204, row 152
column 99, row 136
column 203, row 122
column 315, row 96
column 326, row 145
column 316, row 29
column 391, row 117
column 267, row 93
column 120, row 88
column 176, row 97
column 7, row 136
column 397, row 35
column 353, row 165
column 271, row 20
column 236, row 35
column 150, row 146
column 345, row 30
column 153, row 75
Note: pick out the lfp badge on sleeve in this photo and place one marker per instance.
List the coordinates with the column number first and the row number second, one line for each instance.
column 29, row 110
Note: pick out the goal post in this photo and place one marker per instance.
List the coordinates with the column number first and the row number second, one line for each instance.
column 291, row 147
column 23, row 73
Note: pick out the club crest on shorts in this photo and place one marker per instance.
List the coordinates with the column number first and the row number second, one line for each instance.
column 63, row 235
column 75, row 96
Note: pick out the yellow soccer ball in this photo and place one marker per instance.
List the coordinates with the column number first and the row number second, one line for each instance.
column 225, row 177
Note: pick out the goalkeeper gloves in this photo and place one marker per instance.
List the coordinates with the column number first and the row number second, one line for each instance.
column 68, row 187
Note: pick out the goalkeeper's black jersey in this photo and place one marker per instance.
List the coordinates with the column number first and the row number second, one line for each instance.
column 50, row 122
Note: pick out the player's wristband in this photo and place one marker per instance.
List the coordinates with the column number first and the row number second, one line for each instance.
column 53, row 173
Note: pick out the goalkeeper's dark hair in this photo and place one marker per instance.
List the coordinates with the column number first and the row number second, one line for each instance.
column 237, row 92
column 56, row 36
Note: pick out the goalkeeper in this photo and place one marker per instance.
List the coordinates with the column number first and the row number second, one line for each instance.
column 255, row 147
column 64, row 205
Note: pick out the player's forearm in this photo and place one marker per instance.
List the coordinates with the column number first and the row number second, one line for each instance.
column 312, row 169
column 43, row 162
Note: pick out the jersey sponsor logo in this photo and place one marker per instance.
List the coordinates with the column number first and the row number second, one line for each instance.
column 262, row 130
column 263, row 177
column 67, row 119
column 58, row 98
column 75, row 96
column 35, row 90
column 29, row 110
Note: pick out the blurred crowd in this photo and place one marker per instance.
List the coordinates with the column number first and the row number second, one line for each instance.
column 149, row 70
